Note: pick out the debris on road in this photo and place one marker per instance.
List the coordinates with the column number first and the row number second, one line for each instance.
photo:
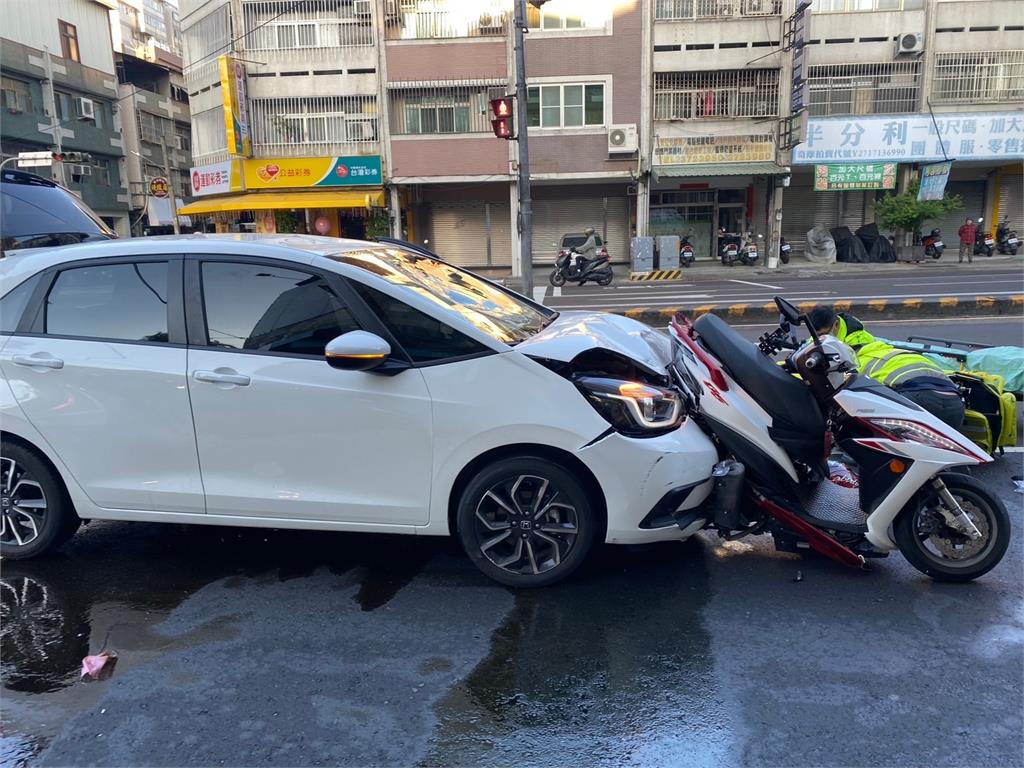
column 799, row 576
column 99, row 667
column 1018, row 483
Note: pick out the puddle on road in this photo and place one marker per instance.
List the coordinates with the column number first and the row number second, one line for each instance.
column 612, row 668
column 114, row 581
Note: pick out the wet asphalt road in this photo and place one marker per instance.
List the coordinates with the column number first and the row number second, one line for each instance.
column 243, row 647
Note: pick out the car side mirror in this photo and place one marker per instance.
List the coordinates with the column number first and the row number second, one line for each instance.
column 357, row 351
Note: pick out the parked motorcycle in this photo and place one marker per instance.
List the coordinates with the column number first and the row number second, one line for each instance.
column 574, row 267
column 686, row 253
column 983, row 242
column 933, row 245
column 735, row 247
column 1006, row 238
column 893, row 482
column 785, row 250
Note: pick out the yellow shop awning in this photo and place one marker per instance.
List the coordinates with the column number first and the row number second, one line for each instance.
column 263, row 201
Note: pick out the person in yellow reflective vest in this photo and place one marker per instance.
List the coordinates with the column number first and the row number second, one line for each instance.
column 912, row 375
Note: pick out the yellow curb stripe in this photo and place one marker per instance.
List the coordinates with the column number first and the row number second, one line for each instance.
column 948, row 302
column 657, row 274
column 878, row 305
column 738, row 310
column 703, row 309
column 1017, row 301
column 636, row 313
column 912, row 304
column 668, row 313
column 842, row 306
column 984, row 302
column 806, row 306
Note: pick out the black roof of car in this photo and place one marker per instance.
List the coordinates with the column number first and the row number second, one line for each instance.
column 36, row 212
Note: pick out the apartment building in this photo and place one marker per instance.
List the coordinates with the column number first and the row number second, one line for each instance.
column 878, row 71
column 155, row 118
column 358, row 117
column 59, row 91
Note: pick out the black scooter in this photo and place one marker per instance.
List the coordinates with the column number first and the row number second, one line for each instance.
column 1006, row 239
column 785, row 249
column 571, row 266
column 686, row 252
column 983, row 241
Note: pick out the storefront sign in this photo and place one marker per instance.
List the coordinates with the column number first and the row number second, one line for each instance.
column 933, row 181
column 292, row 172
column 834, row 178
column 236, row 106
column 158, row 187
column 913, row 138
column 216, row 179
column 682, row 150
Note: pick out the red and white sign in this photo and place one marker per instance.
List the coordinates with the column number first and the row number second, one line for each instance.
column 212, row 179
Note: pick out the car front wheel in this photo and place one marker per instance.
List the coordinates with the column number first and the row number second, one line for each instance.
column 526, row 521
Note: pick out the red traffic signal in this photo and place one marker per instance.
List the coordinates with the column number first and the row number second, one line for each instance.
column 502, row 123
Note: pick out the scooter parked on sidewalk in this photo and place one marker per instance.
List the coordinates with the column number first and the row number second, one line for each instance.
column 735, row 247
column 571, row 266
column 933, row 245
column 1006, row 239
column 983, row 242
column 897, row 485
column 785, row 250
column 686, row 253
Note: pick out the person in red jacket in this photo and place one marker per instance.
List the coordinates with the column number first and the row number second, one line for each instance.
column 967, row 233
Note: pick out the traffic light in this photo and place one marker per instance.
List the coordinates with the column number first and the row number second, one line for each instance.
column 71, row 157
column 504, row 116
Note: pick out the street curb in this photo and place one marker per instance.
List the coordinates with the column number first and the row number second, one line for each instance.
column 875, row 309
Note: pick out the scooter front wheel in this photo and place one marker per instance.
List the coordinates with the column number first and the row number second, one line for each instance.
column 556, row 278
column 936, row 549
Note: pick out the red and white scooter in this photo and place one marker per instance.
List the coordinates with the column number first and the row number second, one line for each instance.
column 826, row 459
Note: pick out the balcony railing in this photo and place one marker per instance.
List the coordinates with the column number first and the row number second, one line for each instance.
column 310, row 26
column 864, row 89
column 713, row 95
column 437, row 19
column 979, row 76
column 693, row 10
column 850, row 6
column 325, row 125
column 443, row 107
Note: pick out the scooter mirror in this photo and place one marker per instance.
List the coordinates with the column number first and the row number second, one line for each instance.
column 791, row 313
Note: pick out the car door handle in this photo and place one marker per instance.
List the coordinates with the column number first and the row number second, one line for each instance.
column 218, row 377
column 31, row 361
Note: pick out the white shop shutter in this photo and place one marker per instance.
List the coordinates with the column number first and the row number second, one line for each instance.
column 1011, row 201
column 618, row 228
column 501, row 235
column 803, row 209
column 554, row 218
column 457, row 233
column 972, row 194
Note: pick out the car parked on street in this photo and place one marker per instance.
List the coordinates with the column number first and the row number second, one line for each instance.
column 336, row 385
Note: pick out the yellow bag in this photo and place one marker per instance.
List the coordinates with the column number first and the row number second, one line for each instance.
column 991, row 417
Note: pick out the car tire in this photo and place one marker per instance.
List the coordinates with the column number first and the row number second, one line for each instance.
column 506, row 502
column 34, row 505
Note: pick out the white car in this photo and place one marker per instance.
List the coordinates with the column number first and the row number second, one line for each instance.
column 335, row 385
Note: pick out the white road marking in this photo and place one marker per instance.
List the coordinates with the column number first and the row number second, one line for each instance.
column 1015, row 449
column 539, row 292
column 556, row 292
column 759, row 285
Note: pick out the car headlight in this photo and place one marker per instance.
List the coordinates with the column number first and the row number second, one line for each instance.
column 634, row 409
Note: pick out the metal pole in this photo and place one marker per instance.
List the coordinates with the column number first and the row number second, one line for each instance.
column 525, row 199
column 54, row 120
column 170, row 186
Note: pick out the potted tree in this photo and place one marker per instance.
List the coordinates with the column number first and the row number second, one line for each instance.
column 905, row 214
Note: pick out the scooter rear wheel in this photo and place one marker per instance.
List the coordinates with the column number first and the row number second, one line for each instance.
column 605, row 279
column 937, row 550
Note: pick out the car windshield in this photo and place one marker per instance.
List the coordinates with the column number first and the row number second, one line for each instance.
column 497, row 313
column 575, row 241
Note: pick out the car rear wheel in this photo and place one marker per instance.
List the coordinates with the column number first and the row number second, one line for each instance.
column 526, row 521
column 35, row 512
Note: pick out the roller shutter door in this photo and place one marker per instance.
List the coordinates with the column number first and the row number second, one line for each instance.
column 972, row 193
column 803, row 209
column 458, row 232
column 554, row 218
column 1011, row 201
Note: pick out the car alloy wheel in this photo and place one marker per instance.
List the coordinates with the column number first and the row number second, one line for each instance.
column 526, row 525
column 23, row 504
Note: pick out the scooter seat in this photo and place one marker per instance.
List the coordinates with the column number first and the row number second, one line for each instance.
column 794, row 411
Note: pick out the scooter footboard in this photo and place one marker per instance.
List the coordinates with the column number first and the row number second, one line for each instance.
column 819, row 541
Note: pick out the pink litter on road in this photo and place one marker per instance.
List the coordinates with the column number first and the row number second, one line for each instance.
column 99, row 667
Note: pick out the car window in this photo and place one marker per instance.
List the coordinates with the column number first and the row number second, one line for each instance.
column 423, row 338
column 456, row 293
column 115, row 301
column 271, row 309
column 575, row 241
column 13, row 305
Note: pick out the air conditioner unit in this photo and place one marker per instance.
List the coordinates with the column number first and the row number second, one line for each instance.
column 85, row 109
column 909, row 42
column 622, row 139
column 359, row 130
column 362, row 7
column 78, row 169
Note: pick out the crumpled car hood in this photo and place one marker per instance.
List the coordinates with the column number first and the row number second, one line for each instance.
column 575, row 332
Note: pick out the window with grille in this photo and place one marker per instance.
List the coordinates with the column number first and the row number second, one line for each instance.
column 324, row 124
column 689, row 10
column 846, row 6
column 442, row 19
column 15, row 95
column 716, row 94
column 443, row 107
column 565, row 105
column 272, row 25
column 864, row 89
column 979, row 76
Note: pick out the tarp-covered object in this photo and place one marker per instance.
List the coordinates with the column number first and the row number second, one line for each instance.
column 848, row 247
column 1007, row 362
column 820, row 247
column 878, row 247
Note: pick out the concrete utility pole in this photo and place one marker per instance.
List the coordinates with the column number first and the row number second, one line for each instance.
column 525, row 198
column 54, row 120
column 170, row 186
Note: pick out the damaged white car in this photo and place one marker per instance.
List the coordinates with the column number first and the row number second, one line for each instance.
column 303, row 382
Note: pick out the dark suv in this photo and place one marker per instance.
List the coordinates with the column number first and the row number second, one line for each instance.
column 37, row 213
